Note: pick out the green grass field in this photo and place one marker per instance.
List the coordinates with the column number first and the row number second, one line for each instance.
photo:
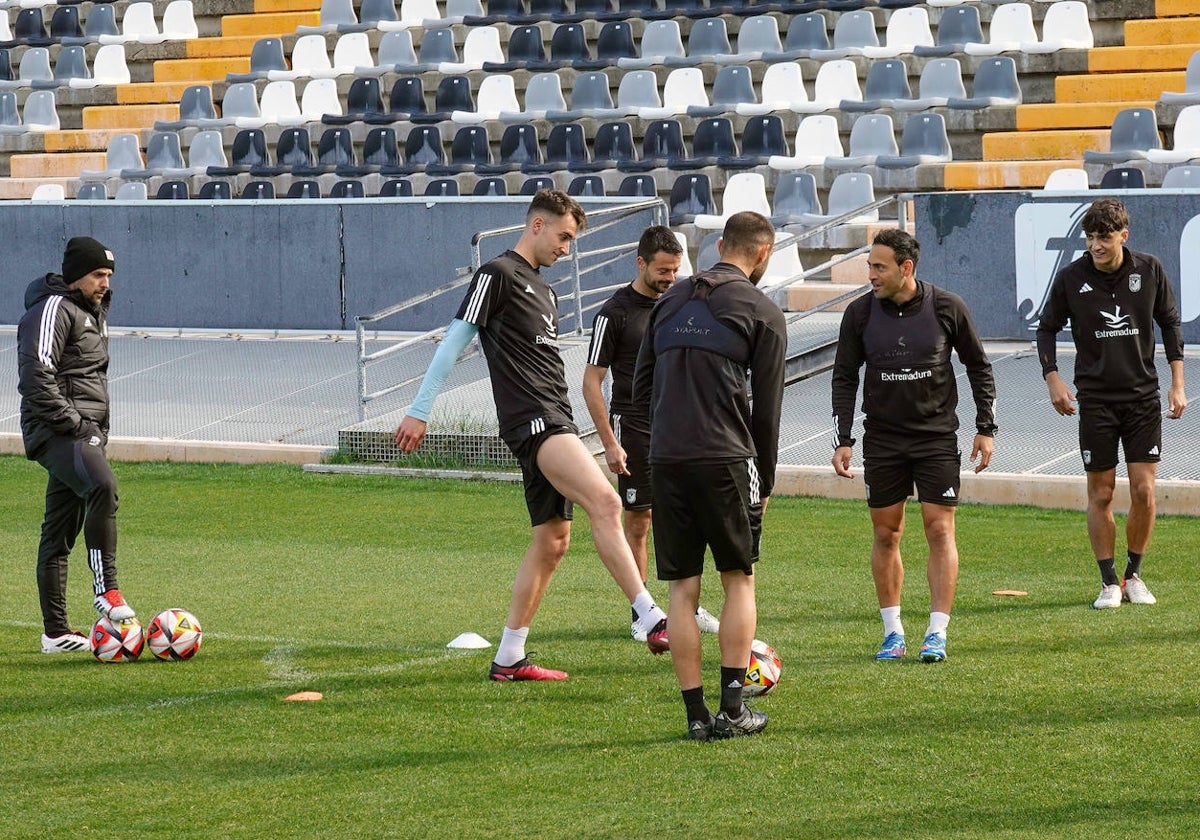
column 1049, row 719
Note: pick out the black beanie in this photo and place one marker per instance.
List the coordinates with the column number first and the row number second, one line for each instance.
column 83, row 256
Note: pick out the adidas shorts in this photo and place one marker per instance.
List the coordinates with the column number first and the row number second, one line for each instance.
column 698, row 506
column 542, row 499
column 1137, row 426
column 633, row 433
column 891, row 469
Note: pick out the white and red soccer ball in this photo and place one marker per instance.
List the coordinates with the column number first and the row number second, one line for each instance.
column 762, row 675
column 174, row 634
column 117, row 641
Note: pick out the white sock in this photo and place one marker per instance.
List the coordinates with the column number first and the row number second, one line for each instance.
column 648, row 611
column 891, row 620
column 938, row 621
column 512, row 647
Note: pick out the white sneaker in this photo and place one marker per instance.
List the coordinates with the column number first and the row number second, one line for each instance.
column 706, row 622
column 1109, row 597
column 637, row 631
column 1135, row 592
column 70, row 642
column 112, row 605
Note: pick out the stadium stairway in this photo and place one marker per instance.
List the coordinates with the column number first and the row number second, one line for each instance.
column 1151, row 59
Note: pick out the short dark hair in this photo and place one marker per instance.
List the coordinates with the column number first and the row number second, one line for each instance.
column 746, row 232
column 1106, row 215
column 902, row 243
column 556, row 203
column 658, row 239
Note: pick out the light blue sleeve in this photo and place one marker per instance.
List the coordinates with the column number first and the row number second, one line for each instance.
column 458, row 336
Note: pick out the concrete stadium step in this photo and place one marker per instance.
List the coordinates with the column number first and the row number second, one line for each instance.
column 55, row 165
column 1050, row 115
column 268, row 24
column 1113, row 87
column 1132, row 59
column 87, row 141
column 199, row 69
column 268, row 6
column 238, row 46
column 1066, row 144
column 999, row 175
column 1174, row 8
column 128, row 117
column 148, row 93
column 22, row 188
column 806, row 295
column 1149, row 32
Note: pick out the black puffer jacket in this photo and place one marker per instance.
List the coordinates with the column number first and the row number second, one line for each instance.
column 62, row 357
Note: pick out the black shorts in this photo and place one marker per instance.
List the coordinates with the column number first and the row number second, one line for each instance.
column 892, row 465
column 717, row 506
column 1136, row 425
column 633, row 433
column 541, row 497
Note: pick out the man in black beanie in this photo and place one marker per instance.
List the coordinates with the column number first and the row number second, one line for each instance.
column 62, row 356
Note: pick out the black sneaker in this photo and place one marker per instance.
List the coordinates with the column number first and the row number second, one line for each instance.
column 700, row 730
column 747, row 723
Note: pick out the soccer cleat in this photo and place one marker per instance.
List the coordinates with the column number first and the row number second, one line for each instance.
column 657, row 640
column 706, row 621
column 700, row 730
column 1109, row 597
column 70, row 642
column 112, row 605
column 747, row 723
column 1135, row 592
column 637, row 631
column 523, row 670
column 892, row 648
column 933, row 649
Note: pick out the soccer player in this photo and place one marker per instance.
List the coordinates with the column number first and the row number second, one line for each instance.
column 624, row 426
column 903, row 333
column 62, row 358
column 1112, row 297
column 713, row 454
column 515, row 313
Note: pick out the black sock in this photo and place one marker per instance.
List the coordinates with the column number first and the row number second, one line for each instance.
column 1133, row 566
column 693, row 701
column 1108, row 572
column 732, row 680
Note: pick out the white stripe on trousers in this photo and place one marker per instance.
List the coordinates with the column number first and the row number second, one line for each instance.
column 96, row 563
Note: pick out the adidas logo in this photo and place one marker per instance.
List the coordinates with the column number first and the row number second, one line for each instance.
column 87, row 321
column 529, row 290
column 949, row 494
column 1084, row 288
column 1153, row 450
column 735, row 684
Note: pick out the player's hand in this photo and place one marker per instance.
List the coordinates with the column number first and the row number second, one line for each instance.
column 982, row 447
column 1176, row 403
column 615, row 458
column 841, row 461
column 410, row 434
column 1060, row 395
column 765, row 500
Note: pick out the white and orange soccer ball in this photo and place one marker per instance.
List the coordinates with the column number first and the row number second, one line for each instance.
column 174, row 634
column 763, row 674
column 117, row 641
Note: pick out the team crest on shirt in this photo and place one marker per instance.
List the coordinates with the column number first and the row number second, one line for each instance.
column 631, row 495
column 1135, row 282
column 1087, row 456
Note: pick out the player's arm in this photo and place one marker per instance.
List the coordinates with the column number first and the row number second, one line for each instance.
column 969, row 347
column 1176, row 398
column 38, row 364
column 593, row 396
column 766, row 383
column 411, row 431
column 1053, row 318
column 846, row 364
column 1166, row 314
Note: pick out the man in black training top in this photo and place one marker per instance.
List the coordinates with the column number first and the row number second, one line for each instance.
column 714, row 455
column 62, row 356
column 624, row 426
column 903, row 332
column 515, row 313
column 1113, row 296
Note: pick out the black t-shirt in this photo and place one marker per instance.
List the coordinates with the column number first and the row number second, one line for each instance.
column 517, row 315
column 616, row 336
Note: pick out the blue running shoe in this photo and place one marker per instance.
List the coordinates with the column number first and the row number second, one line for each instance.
column 934, row 648
column 893, row 647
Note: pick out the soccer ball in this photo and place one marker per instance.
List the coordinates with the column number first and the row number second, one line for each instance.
column 117, row 641
column 174, row 634
column 763, row 674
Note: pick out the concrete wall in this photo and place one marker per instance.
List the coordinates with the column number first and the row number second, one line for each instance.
column 291, row 265
column 1000, row 250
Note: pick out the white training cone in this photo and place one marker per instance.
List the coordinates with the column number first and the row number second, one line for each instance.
column 469, row 641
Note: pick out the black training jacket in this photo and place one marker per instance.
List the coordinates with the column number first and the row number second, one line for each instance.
column 62, row 359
